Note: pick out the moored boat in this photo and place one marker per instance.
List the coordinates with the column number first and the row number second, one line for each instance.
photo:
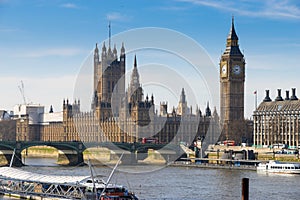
column 24, row 184
column 279, row 167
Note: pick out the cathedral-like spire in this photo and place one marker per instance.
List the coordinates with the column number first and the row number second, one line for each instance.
column 207, row 111
column 122, row 54
column 182, row 96
column 115, row 49
column 96, row 54
column 135, row 77
column 215, row 113
column 103, row 48
column 115, row 53
column 135, row 90
column 232, row 46
column 152, row 99
column 122, row 49
column 96, row 49
column 182, row 108
column 135, row 63
column 232, row 34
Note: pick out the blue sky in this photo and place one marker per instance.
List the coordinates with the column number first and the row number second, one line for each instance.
column 43, row 43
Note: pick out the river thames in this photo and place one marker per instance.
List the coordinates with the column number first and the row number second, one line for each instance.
column 172, row 183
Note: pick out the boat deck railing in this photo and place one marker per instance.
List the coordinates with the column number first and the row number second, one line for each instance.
column 25, row 188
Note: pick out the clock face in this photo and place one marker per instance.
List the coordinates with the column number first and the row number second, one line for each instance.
column 237, row 69
column 224, row 69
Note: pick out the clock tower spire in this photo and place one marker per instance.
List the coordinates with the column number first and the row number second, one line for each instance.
column 232, row 79
column 232, row 45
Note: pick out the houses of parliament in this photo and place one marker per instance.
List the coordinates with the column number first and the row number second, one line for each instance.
column 120, row 114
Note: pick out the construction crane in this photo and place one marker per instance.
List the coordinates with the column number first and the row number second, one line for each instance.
column 21, row 88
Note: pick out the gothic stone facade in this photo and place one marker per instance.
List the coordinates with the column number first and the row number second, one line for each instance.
column 136, row 117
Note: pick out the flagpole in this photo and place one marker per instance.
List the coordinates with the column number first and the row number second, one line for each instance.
column 255, row 99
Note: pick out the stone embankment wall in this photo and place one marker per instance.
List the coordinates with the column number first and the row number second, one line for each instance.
column 262, row 153
column 96, row 155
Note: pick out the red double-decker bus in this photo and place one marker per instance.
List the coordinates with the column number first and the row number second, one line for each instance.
column 149, row 140
column 229, row 142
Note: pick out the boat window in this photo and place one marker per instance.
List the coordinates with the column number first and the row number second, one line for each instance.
column 99, row 190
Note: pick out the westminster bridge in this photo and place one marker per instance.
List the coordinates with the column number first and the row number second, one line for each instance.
column 73, row 151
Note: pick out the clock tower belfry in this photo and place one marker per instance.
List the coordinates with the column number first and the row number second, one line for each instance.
column 232, row 79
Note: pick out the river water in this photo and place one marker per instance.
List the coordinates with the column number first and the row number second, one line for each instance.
column 172, row 183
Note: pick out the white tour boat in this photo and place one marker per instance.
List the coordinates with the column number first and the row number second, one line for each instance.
column 29, row 185
column 279, row 167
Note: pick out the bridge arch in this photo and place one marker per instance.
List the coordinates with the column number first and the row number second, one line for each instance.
column 72, row 151
column 76, row 146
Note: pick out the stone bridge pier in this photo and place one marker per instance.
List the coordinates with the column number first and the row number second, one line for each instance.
column 11, row 152
column 17, row 158
column 70, row 157
column 73, row 156
column 129, row 158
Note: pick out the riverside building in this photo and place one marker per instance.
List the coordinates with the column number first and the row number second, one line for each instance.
column 277, row 121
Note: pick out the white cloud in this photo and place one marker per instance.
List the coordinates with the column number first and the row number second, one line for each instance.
column 116, row 16
column 69, row 5
column 173, row 8
column 255, row 8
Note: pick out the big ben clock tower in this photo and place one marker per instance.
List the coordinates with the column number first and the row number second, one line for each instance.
column 232, row 78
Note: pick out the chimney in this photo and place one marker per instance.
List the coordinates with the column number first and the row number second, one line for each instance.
column 287, row 95
column 293, row 97
column 267, row 98
column 279, row 98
